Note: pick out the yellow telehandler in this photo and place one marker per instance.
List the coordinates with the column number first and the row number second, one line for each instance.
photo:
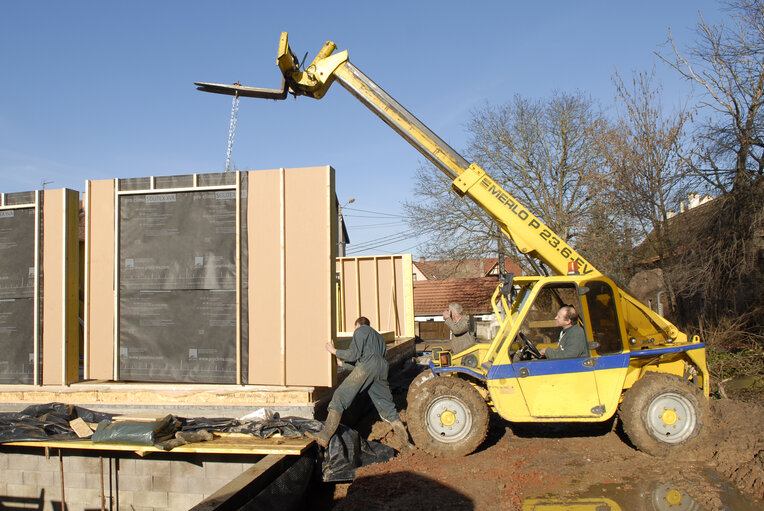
column 639, row 365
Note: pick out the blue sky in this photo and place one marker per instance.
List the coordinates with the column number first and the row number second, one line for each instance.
column 97, row 90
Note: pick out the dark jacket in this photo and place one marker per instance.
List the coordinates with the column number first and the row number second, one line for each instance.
column 367, row 346
column 572, row 344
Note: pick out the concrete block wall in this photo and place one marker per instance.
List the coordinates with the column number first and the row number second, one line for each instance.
column 31, row 479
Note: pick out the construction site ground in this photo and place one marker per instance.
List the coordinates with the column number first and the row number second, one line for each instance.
column 563, row 463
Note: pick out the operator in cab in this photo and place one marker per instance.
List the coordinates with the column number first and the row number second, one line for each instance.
column 572, row 343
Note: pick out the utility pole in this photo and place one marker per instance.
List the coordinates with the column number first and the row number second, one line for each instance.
column 340, row 225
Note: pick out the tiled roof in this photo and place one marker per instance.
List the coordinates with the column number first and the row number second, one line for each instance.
column 431, row 297
column 682, row 229
column 464, row 268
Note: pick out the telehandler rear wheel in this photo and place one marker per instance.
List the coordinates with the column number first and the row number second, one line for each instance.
column 663, row 412
column 447, row 417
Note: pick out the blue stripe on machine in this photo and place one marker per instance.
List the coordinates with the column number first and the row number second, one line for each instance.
column 565, row 366
column 663, row 351
column 456, row 370
column 617, row 361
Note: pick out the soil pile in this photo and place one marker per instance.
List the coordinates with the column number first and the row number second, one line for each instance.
column 519, row 461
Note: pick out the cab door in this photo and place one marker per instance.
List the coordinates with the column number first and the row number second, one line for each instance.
column 559, row 388
column 564, row 388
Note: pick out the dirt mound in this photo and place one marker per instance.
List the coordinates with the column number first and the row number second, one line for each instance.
column 517, row 461
column 737, row 449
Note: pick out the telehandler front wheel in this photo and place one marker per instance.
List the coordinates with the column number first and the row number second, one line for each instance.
column 663, row 412
column 417, row 382
column 447, row 417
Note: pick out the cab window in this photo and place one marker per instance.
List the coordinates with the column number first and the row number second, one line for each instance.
column 602, row 315
column 539, row 324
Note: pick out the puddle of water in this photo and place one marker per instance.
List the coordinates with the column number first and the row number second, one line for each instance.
column 649, row 496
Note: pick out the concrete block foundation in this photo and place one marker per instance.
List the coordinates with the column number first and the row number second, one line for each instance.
column 167, row 483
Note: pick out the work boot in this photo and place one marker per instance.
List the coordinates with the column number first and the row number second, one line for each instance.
column 330, row 426
column 403, row 436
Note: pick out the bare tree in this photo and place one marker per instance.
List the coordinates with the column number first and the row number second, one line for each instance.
column 454, row 227
column 722, row 261
column 546, row 153
column 607, row 240
column 648, row 174
column 727, row 63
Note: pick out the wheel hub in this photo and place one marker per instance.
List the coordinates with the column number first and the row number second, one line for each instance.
column 447, row 418
column 669, row 416
column 674, row 498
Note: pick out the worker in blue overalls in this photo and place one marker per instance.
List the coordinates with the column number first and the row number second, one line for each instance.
column 366, row 359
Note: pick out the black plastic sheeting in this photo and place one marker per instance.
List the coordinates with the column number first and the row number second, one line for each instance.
column 45, row 422
column 177, row 281
column 17, row 271
column 347, row 451
column 136, row 433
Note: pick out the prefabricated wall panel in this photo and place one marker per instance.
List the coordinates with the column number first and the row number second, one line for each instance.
column 379, row 288
column 18, row 230
column 177, row 286
column 39, row 264
column 190, row 289
column 100, row 252
column 292, row 235
column 60, row 303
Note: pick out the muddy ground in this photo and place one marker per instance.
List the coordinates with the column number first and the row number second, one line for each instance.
column 520, row 462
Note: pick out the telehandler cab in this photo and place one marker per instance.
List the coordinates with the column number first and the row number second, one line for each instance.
column 639, row 365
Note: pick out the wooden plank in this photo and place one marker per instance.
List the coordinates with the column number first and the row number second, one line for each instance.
column 81, row 428
column 387, row 335
column 224, row 445
column 241, row 490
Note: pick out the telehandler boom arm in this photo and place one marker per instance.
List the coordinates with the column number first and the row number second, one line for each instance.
column 529, row 234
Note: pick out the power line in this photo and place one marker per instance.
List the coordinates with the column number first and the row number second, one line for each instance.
column 385, row 238
column 381, row 242
column 374, row 212
column 369, row 226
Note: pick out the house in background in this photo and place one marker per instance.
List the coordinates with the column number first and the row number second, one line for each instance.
column 681, row 228
column 469, row 282
column 431, row 298
column 462, row 268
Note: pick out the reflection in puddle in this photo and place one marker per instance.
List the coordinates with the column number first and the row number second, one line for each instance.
column 645, row 496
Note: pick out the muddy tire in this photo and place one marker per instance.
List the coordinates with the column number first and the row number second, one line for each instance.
column 662, row 413
column 447, row 417
column 417, row 382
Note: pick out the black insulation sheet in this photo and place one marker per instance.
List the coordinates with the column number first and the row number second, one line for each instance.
column 17, row 270
column 177, row 286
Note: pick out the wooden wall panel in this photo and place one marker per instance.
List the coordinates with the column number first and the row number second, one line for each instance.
column 387, row 295
column 266, row 317
column 99, row 328
column 347, row 268
column 369, row 287
column 405, row 299
column 60, row 339
column 291, row 221
column 380, row 288
column 310, row 291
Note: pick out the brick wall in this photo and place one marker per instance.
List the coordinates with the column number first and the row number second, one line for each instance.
column 158, row 481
